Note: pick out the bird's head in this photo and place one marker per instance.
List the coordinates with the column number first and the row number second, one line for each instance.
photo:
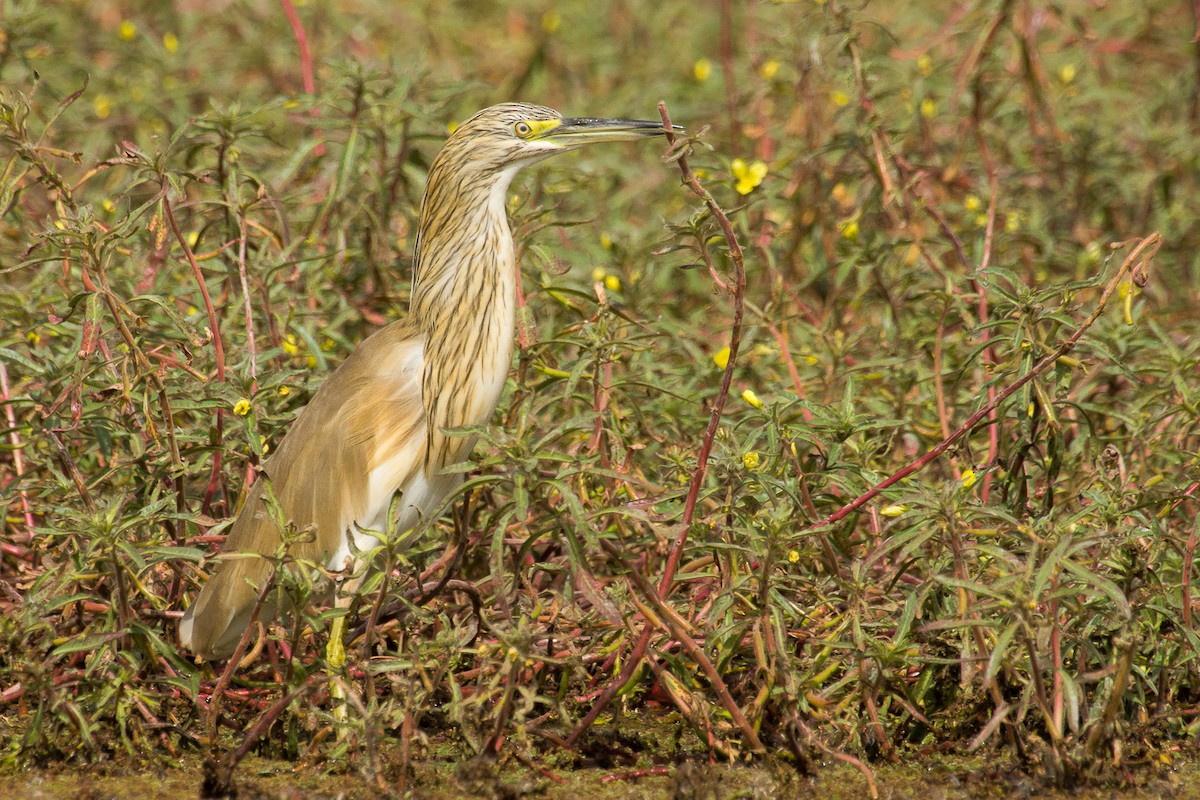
column 518, row 134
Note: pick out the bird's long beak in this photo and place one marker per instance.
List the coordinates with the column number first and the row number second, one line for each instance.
column 577, row 131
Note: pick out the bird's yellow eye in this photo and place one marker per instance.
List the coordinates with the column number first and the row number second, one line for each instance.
column 523, row 129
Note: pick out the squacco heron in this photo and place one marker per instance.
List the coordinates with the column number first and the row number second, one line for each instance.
column 375, row 432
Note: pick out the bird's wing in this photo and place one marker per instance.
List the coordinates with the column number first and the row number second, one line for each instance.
column 360, row 439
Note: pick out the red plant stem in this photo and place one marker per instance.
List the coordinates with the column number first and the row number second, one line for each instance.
column 634, row 659
column 1151, row 243
column 218, row 345
column 727, row 75
column 306, row 63
column 989, row 355
column 1189, row 555
column 18, row 447
column 248, row 308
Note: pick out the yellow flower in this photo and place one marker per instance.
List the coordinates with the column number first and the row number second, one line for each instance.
column 928, row 108
column 1066, row 73
column 102, row 106
column 850, row 230
column 839, row 98
column 598, row 274
column 968, row 478
column 769, row 69
column 1012, row 221
column 750, row 460
column 893, row 510
column 750, row 397
column 451, row 127
column 925, row 65
column 606, row 241
column 721, row 358
column 284, row 391
column 612, row 283
column 327, row 344
column 241, row 407
column 109, row 206
column 702, row 70
column 170, row 42
column 981, row 220
column 748, row 176
column 289, row 345
column 33, row 338
column 972, row 203
column 311, row 361
column 551, row 21
column 127, row 30
column 793, row 556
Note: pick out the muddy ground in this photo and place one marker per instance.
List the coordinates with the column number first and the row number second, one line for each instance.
column 932, row 779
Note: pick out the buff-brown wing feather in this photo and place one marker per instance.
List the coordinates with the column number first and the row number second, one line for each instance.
column 363, row 416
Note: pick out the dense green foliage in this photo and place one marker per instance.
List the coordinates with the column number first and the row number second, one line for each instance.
column 929, row 202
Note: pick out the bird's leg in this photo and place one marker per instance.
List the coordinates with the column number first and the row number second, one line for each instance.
column 335, row 651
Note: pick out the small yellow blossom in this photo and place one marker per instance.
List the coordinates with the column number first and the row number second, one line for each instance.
column 839, row 98
column 598, row 274
column 721, row 358
column 241, row 407
column 612, row 283
column 750, row 460
column 290, row 346
column 1066, row 73
column 702, row 69
column 850, row 230
column 606, row 241
column 451, row 127
column 793, row 556
column 928, row 108
column 1127, row 291
column 968, row 478
column 750, row 397
column 192, row 238
column 327, row 344
column 284, row 391
column 170, row 42
column 893, row 510
column 33, row 338
column 102, row 106
column 109, row 206
column 769, row 69
column 925, row 65
column 748, row 176
column 127, row 30
column 972, row 203
column 551, row 21
column 311, row 361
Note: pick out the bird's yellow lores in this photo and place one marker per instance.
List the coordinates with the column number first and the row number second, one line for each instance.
column 376, row 430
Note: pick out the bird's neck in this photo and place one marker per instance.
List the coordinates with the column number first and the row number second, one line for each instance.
column 464, row 248
column 464, row 300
